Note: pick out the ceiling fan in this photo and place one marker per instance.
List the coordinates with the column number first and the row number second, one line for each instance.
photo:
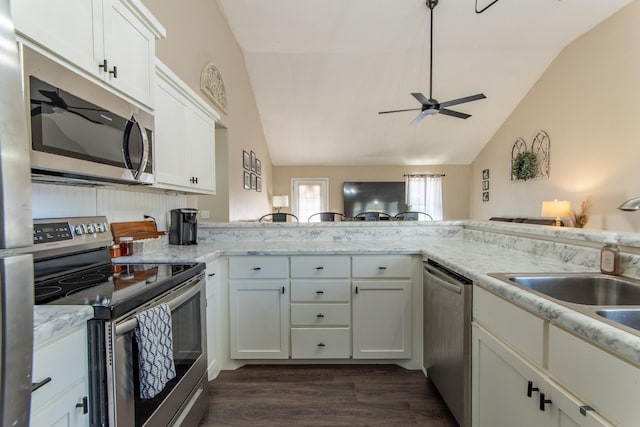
column 432, row 106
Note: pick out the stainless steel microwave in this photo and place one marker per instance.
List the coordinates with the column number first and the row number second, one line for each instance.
column 73, row 139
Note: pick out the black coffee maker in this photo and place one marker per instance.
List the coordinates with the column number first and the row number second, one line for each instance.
column 184, row 227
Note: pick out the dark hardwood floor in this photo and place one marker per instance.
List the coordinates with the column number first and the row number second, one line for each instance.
column 325, row 395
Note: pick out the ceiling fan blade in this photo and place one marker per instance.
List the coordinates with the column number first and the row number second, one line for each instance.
column 399, row 111
column 454, row 113
column 421, row 98
column 422, row 115
column 463, row 100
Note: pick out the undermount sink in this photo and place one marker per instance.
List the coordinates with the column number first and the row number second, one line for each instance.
column 625, row 316
column 586, row 289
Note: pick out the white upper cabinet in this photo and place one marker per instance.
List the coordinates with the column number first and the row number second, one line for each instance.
column 86, row 35
column 184, row 136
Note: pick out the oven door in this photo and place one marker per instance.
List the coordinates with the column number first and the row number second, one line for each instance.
column 185, row 395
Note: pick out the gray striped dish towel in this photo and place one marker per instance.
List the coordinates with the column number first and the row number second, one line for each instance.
column 155, row 350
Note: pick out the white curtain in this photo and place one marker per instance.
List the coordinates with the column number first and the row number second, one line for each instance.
column 424, row 194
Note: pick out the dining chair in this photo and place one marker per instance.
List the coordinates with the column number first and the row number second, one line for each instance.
column 278, row 217
column 373, row 216
column 413, row 216
column 327, row 216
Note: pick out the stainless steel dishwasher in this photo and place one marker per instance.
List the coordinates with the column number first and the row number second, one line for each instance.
column 447, row 336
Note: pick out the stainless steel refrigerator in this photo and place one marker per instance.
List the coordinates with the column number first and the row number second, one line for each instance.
column 16, row 233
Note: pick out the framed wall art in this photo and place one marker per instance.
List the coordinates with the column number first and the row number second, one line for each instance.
column 485, row 174
column 246, row 160
column 253, row 161
column 258, row 167
column 247, row 180
column 258, row 184
column 253, row 181
column 485, row 196
column 485, row 185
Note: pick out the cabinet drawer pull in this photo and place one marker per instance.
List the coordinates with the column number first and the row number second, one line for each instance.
column 320, row 267
column 257, row 268
column 35, row 386
column 114, row 72
column 319, row 292
column 103, row 65
column 382, row 267
column 531, row 388
column 584, row 409
column 543, row 401
column 211, row 274
column 84, row 405
column 320, row 315
column 321, row 344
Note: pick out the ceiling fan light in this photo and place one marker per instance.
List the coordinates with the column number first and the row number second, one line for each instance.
column 430, row 112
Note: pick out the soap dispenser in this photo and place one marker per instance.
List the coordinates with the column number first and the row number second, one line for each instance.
column 610, row 256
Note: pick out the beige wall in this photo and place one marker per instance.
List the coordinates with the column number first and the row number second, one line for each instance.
column 197, row 33
column 455, row 185
column 588, row 101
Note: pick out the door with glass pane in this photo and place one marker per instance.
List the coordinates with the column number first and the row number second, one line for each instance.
column 310, row 196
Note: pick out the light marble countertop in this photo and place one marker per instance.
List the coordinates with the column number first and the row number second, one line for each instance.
column 471, row 258
column 51, row 321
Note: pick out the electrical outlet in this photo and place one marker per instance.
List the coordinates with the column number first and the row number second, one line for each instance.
column 204, row 214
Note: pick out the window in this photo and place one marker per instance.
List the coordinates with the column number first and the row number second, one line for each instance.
column 310, row 196
column 424, row 194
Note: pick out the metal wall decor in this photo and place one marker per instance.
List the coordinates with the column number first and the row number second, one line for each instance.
column 533, row 163
column 212, row 85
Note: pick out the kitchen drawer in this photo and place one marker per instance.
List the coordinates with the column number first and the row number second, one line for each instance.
column 520, row 329
column 62, row 410
column 605, row 382
column 380, row 266
column 259, row 267
column 320, row 314
column 323, row 267
column 321, row 290
column 320, row 343
column 64, row 361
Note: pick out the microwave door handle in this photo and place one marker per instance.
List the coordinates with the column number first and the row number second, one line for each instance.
column 145, row 148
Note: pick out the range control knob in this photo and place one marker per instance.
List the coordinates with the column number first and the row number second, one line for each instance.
column 100, row 228
column 78, row 229
column 91, row 228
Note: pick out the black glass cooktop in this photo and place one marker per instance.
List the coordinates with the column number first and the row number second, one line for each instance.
column 113, row 289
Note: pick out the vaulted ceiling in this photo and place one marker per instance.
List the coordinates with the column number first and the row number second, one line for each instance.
column 321, row 70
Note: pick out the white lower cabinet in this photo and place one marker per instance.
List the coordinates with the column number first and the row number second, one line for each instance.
column 511, row 385
column 212, row 273
column 61, row 366
column 381, row 319
column 509, row 391
column 259, row 318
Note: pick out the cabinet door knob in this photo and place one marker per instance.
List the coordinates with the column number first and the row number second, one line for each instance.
column 114, row 72
column 283, row 290
column 531, row 388
column 543, row 401
column 84, row 405
column 104, row 65
column 320, row 315
column 35, row 386
column 321, row 344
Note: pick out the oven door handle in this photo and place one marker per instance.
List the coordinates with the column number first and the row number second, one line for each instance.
column 129, row 325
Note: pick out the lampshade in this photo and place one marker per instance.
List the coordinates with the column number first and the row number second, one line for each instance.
column 280, row 201
column 556, row 208
column 631, row 205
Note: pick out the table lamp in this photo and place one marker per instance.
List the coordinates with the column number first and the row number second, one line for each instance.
column 279, row 202
column 556, row 209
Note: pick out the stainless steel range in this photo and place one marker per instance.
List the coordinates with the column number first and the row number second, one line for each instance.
column 72, row 266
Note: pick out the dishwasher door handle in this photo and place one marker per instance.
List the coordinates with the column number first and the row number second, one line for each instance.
column 444, row 281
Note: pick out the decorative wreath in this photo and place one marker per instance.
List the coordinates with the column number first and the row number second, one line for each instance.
column 524, row 165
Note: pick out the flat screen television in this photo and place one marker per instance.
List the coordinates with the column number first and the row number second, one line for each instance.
column 387, row 197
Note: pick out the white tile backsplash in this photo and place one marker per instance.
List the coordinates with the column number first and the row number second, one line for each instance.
column 52, row 201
